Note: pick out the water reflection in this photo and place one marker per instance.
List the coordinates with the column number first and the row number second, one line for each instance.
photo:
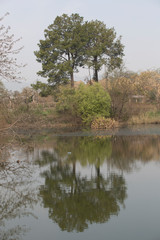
column 82, row 179
column 86, row 150
column 75, row 201
column 119, row 152
column 17, row 195
column 128, row 151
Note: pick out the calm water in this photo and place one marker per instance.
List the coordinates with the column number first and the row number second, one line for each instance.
column 82, row 185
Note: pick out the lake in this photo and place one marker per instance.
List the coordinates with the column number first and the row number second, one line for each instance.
column 82, row 185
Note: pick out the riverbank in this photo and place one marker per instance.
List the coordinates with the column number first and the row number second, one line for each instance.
column 41, row 118
column 149, row 117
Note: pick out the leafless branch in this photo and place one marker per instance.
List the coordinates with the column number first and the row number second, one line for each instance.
column 8, row 52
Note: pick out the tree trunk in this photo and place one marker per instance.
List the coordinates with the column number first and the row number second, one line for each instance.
column 98, row 177
column 96, row 75
column 72, row 80
column 74, row 168
column 95, row 70
column 71, row 72
column 98, row 171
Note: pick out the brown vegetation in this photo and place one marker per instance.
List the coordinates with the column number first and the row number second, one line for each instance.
column 104, row 123
column 134, row 98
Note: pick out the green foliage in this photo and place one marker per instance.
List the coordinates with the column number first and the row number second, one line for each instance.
column 92, row 102
column 66, row 99
column 61, row 51
column 44, row 88
column 87, row 102
column 71, row 43
column 102, row 47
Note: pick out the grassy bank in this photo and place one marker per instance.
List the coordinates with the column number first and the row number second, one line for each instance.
column 42, row 116
column 149, row 117
column 36, row 116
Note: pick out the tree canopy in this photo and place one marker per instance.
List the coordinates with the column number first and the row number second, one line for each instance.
column 71, row 43
column 61, row 51
column 102, row 47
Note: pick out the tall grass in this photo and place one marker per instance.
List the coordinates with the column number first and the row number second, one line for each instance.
column 146, row 117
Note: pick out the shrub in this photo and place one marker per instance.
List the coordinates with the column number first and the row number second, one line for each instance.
column 92, row 102
column 104, row 123
column 65, row 99
column 120, row 90
column 86, row 102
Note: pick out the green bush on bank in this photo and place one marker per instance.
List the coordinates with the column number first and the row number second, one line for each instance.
column 92, row 102
column 87, row 102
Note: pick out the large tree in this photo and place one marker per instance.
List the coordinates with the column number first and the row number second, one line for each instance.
column 102, row 47
column 61, row 51
column 71, row 43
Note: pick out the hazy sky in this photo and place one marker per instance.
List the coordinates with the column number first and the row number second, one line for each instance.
column 138, row 22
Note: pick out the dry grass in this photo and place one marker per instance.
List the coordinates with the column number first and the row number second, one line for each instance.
column 146, row 118
column 104, row 123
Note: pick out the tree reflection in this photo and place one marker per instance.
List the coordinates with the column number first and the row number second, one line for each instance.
column 119, row 152
column 127, row 151
column 74, row 201
column 86, row 150
column 17, row 195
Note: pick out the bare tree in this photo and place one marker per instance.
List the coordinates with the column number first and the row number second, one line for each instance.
column 18, row 197
column 9, row 68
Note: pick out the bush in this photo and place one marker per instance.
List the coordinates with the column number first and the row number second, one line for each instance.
column 86, row 102
column 92, row 102
column 104, row 123
column 65, row 99
column 120, row 90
